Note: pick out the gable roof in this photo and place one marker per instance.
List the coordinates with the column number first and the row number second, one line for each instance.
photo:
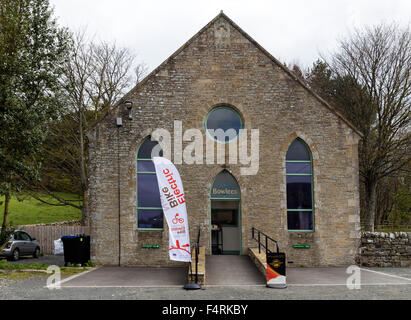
column 256, row 44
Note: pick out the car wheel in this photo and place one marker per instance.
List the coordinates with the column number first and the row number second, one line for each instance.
column 16, row 255
column 36, row 253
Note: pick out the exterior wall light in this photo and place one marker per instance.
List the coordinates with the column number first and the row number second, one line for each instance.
column 129, row 105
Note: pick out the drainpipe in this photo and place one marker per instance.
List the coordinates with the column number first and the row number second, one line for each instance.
column 119, row 123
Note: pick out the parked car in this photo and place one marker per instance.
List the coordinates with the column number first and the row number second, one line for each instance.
column 21, row 244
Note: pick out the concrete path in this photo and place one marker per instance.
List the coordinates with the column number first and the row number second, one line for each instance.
column 106, row 277
column 225, row 270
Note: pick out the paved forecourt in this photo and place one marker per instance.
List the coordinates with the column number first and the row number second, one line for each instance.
column 109, row 276
column 136, row 277
column 338, row 276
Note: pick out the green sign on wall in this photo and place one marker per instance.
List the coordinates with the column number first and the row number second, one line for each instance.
column 301, row 246
column 150, row 246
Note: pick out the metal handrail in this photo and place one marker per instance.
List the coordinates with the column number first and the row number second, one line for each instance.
column 197, row 251
column 265, row 245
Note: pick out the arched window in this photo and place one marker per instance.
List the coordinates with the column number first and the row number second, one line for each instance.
column 300, row 210
column 149, row 210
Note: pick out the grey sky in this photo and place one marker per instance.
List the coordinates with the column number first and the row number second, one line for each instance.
column 291, row 30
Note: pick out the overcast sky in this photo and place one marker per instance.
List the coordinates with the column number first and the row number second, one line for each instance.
column 291, row 30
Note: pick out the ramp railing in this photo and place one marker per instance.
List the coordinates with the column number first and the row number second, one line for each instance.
column 275, row 261
column 197, row 251
column 258, row 235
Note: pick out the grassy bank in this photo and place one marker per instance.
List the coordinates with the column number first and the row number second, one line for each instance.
column 20, row 271
column 27, row 210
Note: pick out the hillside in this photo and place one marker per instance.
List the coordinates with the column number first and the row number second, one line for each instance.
column 27, row 210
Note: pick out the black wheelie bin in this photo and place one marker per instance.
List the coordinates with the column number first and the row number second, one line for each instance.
column 76, row 249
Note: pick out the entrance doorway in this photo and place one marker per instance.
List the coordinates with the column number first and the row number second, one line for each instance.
column 225, row 215
column 225, row 227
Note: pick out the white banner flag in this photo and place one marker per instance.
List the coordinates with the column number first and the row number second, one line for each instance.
column 174, row 207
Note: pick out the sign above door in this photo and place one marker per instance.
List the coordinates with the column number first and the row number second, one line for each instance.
column 225, row 187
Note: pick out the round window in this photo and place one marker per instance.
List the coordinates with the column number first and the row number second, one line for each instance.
column 223, row 124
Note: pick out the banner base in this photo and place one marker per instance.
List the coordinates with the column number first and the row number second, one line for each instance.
column 277, row 286
column 192, row 286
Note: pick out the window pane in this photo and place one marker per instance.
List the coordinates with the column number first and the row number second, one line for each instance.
column 17, row 236
column 293, row 167
column 145, row 166
column 24, row 236
column 302, row 220
column 298, row 151
column 224, row 217
column 152, row 219
column 299, row 192
column 148, row 194
column 145, row 149
column 224, row 119
column 216, row 204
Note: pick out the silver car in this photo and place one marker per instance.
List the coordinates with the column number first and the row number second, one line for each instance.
column 21, row 244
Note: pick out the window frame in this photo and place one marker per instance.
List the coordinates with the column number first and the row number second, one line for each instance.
column 145, row 173
column 312, row 186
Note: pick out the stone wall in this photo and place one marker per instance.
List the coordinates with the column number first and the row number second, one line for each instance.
column 379, row 249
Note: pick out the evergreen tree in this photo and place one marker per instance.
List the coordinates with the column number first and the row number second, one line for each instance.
column 32, row 52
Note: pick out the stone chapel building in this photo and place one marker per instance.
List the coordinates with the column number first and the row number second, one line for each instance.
column 305, row 193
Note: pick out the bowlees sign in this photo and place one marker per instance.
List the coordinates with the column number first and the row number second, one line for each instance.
column 174, row 207
column 225, row 187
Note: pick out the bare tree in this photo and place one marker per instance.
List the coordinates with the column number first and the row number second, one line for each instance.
column 140, row 72
column 378, row 60
column 96, row 76
column 110, row 75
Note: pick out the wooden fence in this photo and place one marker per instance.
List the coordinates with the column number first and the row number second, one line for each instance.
column 390, row 227
column 46, row 235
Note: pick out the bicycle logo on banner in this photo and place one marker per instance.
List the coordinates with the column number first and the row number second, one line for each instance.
column 177, row 219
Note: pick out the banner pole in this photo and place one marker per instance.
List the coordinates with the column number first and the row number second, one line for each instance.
column 191, row 271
